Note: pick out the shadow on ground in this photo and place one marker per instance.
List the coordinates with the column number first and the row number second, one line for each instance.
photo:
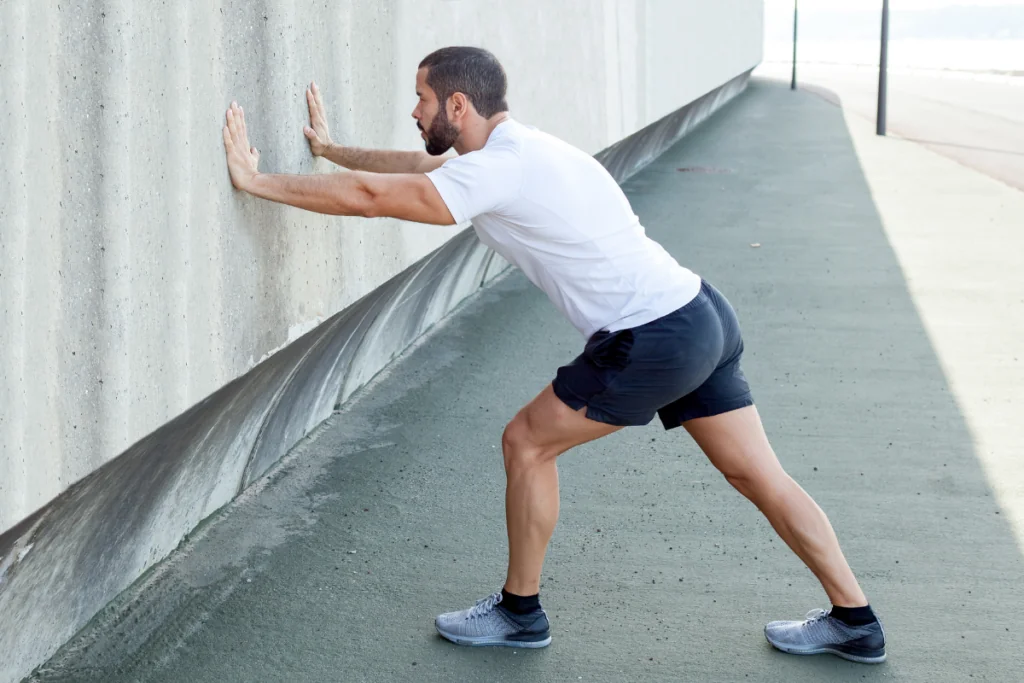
column 658, row 570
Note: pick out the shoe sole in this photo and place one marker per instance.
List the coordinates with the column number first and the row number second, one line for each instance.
column 860, row 659
column 494, row 641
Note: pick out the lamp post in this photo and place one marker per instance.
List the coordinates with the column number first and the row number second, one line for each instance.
column 792, row 84
column 883, row 67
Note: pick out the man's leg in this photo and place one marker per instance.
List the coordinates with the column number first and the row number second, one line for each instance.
column 538, row 434
column 736, row 444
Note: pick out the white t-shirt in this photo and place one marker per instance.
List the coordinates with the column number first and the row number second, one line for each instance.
column 554, row 212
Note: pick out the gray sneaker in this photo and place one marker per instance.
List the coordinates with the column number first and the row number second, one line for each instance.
column 488, row 623
column 820, row 633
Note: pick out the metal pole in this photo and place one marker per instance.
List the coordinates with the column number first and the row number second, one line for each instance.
column 792, row 85
column 883, row 68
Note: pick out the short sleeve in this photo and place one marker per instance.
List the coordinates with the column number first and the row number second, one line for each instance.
column 478, row 182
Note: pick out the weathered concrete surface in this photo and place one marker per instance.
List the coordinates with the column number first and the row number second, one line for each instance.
column 898, row 421
column 148, row 310
column 134, row 282
column 65, row 562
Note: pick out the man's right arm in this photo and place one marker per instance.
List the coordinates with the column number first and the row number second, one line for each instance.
column 381, row 160
column 356, row 158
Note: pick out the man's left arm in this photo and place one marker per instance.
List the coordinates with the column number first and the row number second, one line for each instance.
column 408, row 196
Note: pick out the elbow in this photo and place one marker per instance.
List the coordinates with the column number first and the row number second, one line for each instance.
column 370, row 209
column 364, row 202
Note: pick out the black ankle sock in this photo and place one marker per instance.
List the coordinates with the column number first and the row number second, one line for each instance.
column 854, row 616
column 518, row 604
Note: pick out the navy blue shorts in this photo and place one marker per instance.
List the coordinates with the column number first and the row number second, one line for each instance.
column 681, row 366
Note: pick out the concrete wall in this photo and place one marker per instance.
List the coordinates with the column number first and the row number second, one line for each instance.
column 135, row 281
column 139, row 293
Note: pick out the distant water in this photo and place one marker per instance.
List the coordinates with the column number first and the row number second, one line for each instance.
column 958, row 55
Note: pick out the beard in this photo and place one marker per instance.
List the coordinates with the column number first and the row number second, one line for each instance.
column 441, row 135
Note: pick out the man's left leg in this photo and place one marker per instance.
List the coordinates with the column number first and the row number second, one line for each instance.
column 544, row 429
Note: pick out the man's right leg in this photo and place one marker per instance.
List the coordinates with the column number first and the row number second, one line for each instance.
column 736, row 444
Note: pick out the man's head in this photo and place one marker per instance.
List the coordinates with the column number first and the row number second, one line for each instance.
column 457, row 86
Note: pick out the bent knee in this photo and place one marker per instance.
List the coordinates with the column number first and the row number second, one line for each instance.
column 519, row 445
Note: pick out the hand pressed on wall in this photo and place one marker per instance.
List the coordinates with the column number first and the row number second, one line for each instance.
column 317, row 132
column 243, row 160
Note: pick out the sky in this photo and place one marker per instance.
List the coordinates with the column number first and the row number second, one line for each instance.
column 893, row 4
column 829, row 20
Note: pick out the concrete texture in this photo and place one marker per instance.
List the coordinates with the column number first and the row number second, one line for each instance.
column 142, row 503
column 880, row 338
column 63, row 562
column 975, row 119
column 134, row 282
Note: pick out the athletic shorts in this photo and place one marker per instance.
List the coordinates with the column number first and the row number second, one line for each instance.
column 681, row 366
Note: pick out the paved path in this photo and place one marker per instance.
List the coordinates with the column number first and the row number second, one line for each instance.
column 977, row 120
column 882, row 315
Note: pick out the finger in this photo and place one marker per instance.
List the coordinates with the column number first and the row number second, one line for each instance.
column 235, row 125
column 311, row 102
column 310, row 133
column 241, row 135
column 227, row 138
column 319, row 99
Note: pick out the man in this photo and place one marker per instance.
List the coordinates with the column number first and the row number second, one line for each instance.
column 659, row 339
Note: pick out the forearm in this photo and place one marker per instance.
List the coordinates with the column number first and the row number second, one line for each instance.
column 378, row 160
column 336, row 194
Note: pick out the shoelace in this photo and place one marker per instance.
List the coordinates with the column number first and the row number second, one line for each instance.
column 484, row 606
column 815, row 615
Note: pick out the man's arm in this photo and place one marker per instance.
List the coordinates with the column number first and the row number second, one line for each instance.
column 409, row 196
column 380, row 160
column 355, row 158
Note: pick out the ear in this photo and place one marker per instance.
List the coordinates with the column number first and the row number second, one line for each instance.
column 459, row 107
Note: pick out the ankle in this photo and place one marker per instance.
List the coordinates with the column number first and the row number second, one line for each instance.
column 854, row 616
column 519, row 604
column 520, row 587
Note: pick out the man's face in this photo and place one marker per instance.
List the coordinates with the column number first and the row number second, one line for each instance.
column 438, row 133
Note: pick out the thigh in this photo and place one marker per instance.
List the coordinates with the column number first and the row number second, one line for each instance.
column 549, row 424
column 736, row 444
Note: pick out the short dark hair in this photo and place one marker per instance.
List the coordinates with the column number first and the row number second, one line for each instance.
column 472, row 71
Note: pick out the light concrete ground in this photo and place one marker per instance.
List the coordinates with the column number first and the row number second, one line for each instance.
column 975, row 119
column 881, row 312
